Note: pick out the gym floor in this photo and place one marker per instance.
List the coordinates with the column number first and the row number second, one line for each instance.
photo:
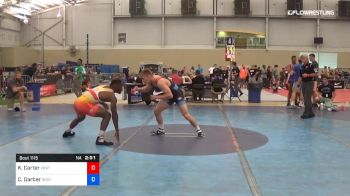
column 247, row 150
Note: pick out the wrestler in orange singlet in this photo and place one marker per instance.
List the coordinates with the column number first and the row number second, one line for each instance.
column 92, row 103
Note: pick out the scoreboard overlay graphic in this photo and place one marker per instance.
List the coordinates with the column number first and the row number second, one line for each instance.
column 57, row 169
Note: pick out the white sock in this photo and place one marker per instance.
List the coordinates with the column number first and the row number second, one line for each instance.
column 198, row 128
column 69, row 130
column 101, row 136
column 161, row 126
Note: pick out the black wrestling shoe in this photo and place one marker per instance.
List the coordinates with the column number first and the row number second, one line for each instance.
column 200, row 133
column 68, row 134
column 307, row 116
column 104, row 143
column 159, row 131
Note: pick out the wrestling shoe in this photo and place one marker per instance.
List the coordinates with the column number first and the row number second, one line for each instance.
column 291, row 107
column 159, row 131
column 104, row 143
column 200, row 133
column 68, row 134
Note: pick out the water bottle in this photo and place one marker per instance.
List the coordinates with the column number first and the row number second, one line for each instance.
column 322, row 106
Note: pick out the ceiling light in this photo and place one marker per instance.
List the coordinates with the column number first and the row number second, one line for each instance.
column 29, row 7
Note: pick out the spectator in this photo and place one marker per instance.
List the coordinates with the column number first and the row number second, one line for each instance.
column 256, row 78
column 314, row 63
column 275, row 78
column 126, row 72
column 31, row 71
column 264, row 76
column 253, row 70
column 52, row 70
column 225, row 73
column 175, row 78
column 184, row 71
column 200, row 69
column 67, row 74
column 325, row 72
column 327, row 94
column 291, row 79
column 64, row 72
column 308, row 75
column 186, row 79
column 235, row 72
column 69, row 69
column 198, row 86
column 295, row 82
column 16, row 89
column 269, row 76
column 211, row 71
column 330, row 73
column 336, row 74
column 192, row 72
column 217, row 72
column 282, row 78
column 243, row 76
column 78, row 78
column 218, row 89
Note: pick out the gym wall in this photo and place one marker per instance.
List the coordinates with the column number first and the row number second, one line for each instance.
column 177, row 40
column 180, row 57
column 170, row 57
column 9, row 32
column 18, row 56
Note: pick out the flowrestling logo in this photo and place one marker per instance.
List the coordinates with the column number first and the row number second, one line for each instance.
column 311, row 12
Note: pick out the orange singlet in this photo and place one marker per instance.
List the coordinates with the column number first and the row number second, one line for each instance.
column 88, row 102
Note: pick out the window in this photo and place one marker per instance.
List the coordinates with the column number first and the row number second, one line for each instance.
column 244, row 5
column 241, row 39
column 122, row 38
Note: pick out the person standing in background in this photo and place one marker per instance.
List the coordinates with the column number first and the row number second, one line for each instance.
column 192, row 72
column 184, row 71
column 282, row 78
column 264, row 76
column 31, row 71
column 275, row 78
column 211, row 71
column 315, row 65
column 78, row 78
column 225, row 73
column 199, row 68
column 175, row 78
column 243, row 76
column 308, row 74
column 291, row 79
column 235, row 72
column 253, row 70
column 269, row 76
column 217, row 72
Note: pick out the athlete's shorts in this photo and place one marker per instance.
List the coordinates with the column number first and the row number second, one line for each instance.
column 179, row 101
column 296, row 87
column 85, row 108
